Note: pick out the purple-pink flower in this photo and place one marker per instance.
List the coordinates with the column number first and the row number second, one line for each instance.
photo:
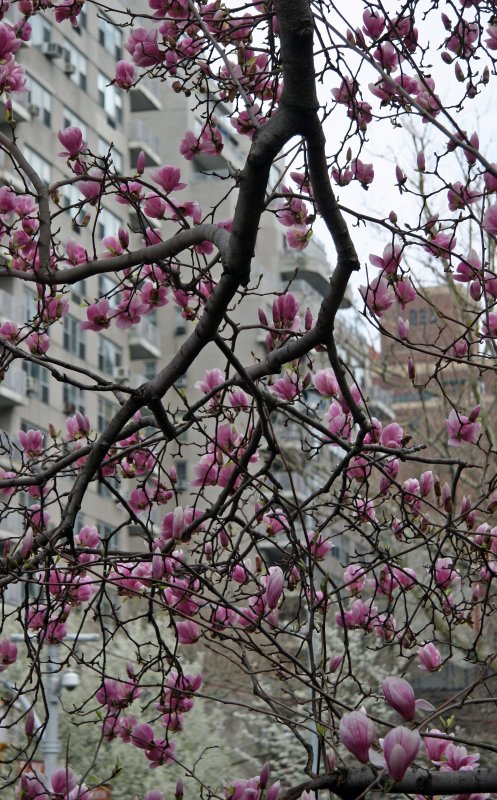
column 462, row 428
column 32, row 442
column 8, row 654
column 429, row 658
column 72, row 140
column 400, row 748
column 357, row 733
column 400, row 695
column 378, row 296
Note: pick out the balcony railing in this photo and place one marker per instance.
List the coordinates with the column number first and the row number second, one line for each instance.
column 13, row 388
column 144, row 340
column 141, row 138
column 145, row 96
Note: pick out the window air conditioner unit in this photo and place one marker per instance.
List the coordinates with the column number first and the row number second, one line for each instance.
column 121, row 374
column 69, row 68
column 34, row 110
column 52, row 50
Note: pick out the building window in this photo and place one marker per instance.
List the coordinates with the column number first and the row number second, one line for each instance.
column 74, row 338
column 30, row 304
column 107, row 151
column 150, row 370
column 79, row 522
column 182, row 474
column 73, row 399
column 40, row 30
column 78, row 291
column 40, row 101
column 179, row 322
column 72, row 199
column 108, row 224
column 422, row 316
column 110, row 99
column 29, row 426
column 109, row 356
column 110, row 37
column 71, row 120
column 39, row 164
column 81, row 20
column 413, row 316
column 75, row 65
column 107, row 288
column 106, row 411
column 37, row 381
column 107, row 533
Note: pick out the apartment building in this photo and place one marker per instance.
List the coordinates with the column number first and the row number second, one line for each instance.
column 69, row 78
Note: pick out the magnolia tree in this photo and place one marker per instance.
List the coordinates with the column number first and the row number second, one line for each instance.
column 246, row 573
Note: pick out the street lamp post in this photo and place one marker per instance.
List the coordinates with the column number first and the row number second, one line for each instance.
column 55, row 682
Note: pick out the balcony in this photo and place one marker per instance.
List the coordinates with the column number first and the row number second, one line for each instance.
column 380, row 401
column 144, row 96
column 140, row 138
column 13, row 388
column 144, row 340
column 11, row 310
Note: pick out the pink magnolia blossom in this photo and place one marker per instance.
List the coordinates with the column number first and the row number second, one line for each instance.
column 143, row 47
column 354, row 578
column 91, row 188
column 441, row 245
column 325, row 382
column 404, row 292
column 436, row 744
column 443, row 573
column 429, row 658
column 374, row 24
column 392, row 435
column 10, row 331
column 168, row 179
column 175, row 522
column 12, row 76
column 72, row 140
column 77, row 426
column 364, row 173
column 98, row 316
column 8, row 654
column 188, row 632
column 462, row 429
column 69, row 10
column 32, row 442
column 298, row 237
column 456, row 757
column 390, row 260
column 275, row 581
column 212, row 379
column 489, row 326
column 9, row 43
column 400, row 748
column 400, row 695
column 125, row 75
column 38, row 343
column 357, row 733
column 117, row 694
column 463, row 38
column 378, row 296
